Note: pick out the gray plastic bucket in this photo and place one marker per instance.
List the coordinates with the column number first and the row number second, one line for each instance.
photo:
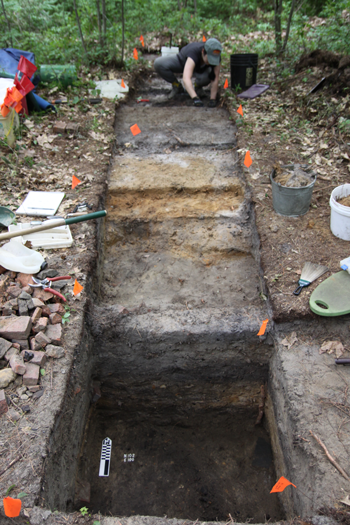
column 291, row 201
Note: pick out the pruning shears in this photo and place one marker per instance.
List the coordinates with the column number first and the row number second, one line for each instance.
column 46, row 285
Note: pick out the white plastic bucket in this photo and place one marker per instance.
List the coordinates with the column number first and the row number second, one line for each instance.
column 166, row 51
column 340, row 215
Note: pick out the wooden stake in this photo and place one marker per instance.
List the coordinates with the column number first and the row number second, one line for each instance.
column 338, row 467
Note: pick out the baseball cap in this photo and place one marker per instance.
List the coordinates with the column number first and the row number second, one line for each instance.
column 213, row 49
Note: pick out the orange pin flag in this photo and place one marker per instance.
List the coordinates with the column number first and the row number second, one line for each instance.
column 135, row 130
column 142, row 41
column 136, row 56
column 123, row 84
column 263, row 327
column 204, row 39
column 281, row 484
column 226, row 84
column 12, row 507
column 77, row 288
column 247, row 159
column 75, row 182
column 240, row 110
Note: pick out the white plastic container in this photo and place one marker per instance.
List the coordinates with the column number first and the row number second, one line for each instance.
column 8, row 125
column 340, row 215
column 345, row 264
column 167, row 51
column 59, row 237
column 17, row 258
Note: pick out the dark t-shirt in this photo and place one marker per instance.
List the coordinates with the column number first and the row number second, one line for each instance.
column 193, row 51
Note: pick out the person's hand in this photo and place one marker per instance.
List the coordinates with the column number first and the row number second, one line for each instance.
column 212, row 103
column 197, row 102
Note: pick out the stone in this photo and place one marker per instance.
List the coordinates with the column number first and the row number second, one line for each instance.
column 22, row 307
column 59, row 127
column 7, row 375
column 24, row 295
column 12, row 351
column 14, row 291
column 3, row 403
column 30, row 304
column 47, row 274
column 39, row 293
column 31, row 377
column 24, row 397
column 55, row 318
column 24, row 279
column 39, row 358
column 43, row 339
column 36, row 314
column 21, row 390
column 54, row 351
column 15, row 327
column 28, row 289
column 72, row 127
column 17, row 364
column 34, row 388
column 3, row 364
column 14, row 415
column 54, row 332
column 7, row 311
column 56, row 308
column 38, row 394
column 23, row 343
column 25, row 408
column 4, row 346
column 37, row 303
column 40, row 325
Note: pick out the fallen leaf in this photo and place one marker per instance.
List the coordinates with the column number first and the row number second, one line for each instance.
column 332, row 346
column 289, row 340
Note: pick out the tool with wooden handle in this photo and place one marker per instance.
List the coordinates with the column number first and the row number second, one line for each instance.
column 53, row 223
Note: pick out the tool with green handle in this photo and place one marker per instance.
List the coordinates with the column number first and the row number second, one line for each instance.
column 53, row 223
column 332, row 297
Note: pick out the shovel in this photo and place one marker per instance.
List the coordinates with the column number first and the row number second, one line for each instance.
column 53, row 223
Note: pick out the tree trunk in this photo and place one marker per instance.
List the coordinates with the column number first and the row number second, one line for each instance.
column 104, row 20
column 288, row 26
column 98, row 9
column 195, row 6
column 7, row 21
column 123, row 31
column 278, row 30
column 80, row 31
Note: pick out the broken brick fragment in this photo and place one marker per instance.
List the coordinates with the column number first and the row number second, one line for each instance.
column 59, row 127
column 17, row 364
column 54, row 332
column 3, row 403
column 55, row 318
column 15, row 327
column 40, row 325
column 31, row 376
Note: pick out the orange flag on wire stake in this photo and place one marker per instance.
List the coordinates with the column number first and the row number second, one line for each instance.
column 77, row 288
column 75, row 182
column 204, row 39
column 123, row 84
column 226, row 84
column 135, row 130
column 247, row 159
column 12, row 507
column 142, row 41
column 136, row 56
column 240, row 110
column 263, row 327
column 281, row 484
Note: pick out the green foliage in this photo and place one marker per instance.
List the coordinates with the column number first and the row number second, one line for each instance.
column 84, row 511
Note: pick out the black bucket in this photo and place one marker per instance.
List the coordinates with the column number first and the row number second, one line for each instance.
column 243, row 70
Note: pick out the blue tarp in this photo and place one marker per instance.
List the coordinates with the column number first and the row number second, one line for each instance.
column 9, row 59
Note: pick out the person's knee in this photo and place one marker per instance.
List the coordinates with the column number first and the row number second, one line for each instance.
column 158, row 64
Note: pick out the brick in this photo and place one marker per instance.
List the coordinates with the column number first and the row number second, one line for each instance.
column 3, row 403
column 16, row 345
column 12, row 351
column 39, row 293
column 59, row 127
column 55, row 319
column 31, row 376
column 4, row 346
column 54, row 351
column 24, row 295
column 34, row 345
column 23, row 343
column 22, row 307
column 24, row 279
column 37, row 303
column 56, row 308
column 17, row 364
column 34, row 388
column 40, row 325
column 15, row 327
column 36, row 314
column 48, row 273
column 14, row 291
column 54, row 332
column 38, row 359
column 28, row 289
column 45, row 311
column 43, row 339
column 7, row 375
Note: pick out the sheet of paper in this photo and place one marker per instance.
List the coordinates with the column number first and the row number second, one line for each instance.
column 41, row 203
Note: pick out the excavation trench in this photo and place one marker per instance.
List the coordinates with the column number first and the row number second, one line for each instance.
column 171, row 367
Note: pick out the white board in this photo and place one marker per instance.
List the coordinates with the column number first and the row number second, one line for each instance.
column 41, row 203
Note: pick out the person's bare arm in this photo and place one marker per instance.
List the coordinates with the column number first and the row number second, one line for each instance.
column 187, row 77
column 215, row 83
